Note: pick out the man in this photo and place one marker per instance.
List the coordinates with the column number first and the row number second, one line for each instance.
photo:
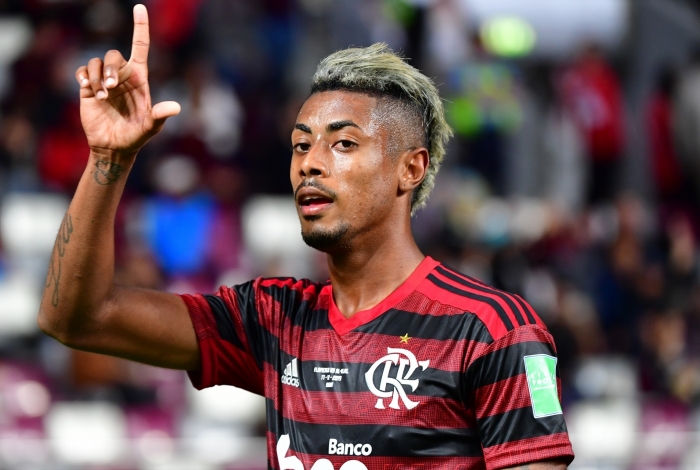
column 398, row 362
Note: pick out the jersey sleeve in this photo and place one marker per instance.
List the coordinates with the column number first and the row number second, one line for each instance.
column 229, row 336
column 516, row 394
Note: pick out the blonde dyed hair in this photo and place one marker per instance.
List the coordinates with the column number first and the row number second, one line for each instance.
column 377, row 70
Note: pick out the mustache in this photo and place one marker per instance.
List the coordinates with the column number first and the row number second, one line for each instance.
column 314, row 184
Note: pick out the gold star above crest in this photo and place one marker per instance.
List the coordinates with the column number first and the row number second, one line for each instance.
column 405, row 338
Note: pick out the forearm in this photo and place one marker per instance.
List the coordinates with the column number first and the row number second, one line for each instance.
column 81, row 268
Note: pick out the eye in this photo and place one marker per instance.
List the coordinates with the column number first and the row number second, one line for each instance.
column 345, row 144
column 301, row 147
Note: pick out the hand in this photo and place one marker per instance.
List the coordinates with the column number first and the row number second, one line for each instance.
column 115, row 100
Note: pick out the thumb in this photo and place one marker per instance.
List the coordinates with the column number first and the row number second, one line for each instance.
column 164, row 110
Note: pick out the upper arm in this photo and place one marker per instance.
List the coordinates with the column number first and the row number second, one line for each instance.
column 142, row 325
column 514, row 391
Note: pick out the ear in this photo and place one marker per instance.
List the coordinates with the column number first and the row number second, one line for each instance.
column 413, row 166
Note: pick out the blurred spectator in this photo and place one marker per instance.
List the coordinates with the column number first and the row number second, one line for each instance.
column 62, row 153
column 17, row 152
column 484, row 108
column 590, row 91
column 686, row 125
column 176, row 222
column 210, row 112
column 666, row 168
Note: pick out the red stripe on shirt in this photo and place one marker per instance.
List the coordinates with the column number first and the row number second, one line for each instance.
column 517, row 301
column 477, row 304
column 200, row 314
column 504, row 395
column 219, row 359
column 356, row 408
column 485, row 313
column 519, row 335
column 328, row 346
column 529, row 450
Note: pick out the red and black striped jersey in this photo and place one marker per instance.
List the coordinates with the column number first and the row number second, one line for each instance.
column 445, row 373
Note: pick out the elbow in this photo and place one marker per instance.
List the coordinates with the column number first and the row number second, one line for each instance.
column 58, row 329
column 51, row 326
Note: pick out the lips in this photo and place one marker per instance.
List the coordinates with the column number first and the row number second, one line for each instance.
column 312, row 201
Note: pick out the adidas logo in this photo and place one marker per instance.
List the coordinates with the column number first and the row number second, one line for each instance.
column 291, row 374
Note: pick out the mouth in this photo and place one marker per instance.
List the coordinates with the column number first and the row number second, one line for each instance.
column 313, row 202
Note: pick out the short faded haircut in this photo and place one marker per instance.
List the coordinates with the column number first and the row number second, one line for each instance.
column 378, row 71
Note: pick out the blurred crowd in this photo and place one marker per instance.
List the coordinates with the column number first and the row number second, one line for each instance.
column 539, row 195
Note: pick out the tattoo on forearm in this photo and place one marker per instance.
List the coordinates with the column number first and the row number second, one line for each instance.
column 62, row 239
column 107, row 172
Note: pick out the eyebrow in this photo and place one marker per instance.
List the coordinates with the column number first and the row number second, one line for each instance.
column 336, row 126
column 303, row 128
column 332, row 127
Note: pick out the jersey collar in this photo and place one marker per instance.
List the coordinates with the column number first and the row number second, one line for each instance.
column 344, row 325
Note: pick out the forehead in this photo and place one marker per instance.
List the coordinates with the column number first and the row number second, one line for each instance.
column 325, row 107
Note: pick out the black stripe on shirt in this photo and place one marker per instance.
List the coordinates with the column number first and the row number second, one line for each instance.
column 517, row 424
column 503, row 363
column 386, row 440
column 526, row 308
column 466, row 326
column 247, row 308
column 480, row 287
column 224, row 320
column 296, row 309
column 432, row 383
column 470, row 295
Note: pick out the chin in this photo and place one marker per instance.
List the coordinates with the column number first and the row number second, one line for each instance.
column 324, row 239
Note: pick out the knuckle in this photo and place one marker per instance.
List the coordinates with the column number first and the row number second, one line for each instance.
column 141, row 43
column 113, row 56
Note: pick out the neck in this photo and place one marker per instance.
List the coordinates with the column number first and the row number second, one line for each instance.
column 372, row 267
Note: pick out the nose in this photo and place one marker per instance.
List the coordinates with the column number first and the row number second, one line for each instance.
column 315, row 161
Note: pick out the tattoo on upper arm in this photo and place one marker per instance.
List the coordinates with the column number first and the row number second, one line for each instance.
column 107, row 172
column 62, row 239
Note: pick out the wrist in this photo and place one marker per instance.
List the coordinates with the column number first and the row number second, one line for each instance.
column 115, row 156
column 108, row 166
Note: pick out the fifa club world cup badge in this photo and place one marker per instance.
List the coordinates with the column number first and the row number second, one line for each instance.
column 541, row 371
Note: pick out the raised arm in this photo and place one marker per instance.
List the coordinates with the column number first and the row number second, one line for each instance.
column 81, row 306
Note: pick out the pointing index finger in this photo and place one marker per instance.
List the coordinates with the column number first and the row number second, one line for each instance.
column 141, row 41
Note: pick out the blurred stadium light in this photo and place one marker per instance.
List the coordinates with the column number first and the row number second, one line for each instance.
column 560, row 26
column 228, row 405
column 179, row 464
column 29, row 223
column 508, row 36
column 19, row 305
column 28, row 226
column 218, row 429
column 606, row 377
column 272, row 234
column 604, row 432
column 218, row 444
column 87, row 433
column 15, row 35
